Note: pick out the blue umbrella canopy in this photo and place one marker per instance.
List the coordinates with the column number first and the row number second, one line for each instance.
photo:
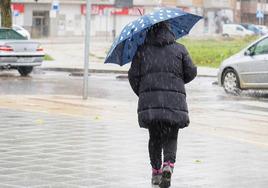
column 133, row 35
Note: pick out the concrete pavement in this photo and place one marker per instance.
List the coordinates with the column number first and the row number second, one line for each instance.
column 100, row 67
column 50, row 138
column 66, row 144
column 68, row 55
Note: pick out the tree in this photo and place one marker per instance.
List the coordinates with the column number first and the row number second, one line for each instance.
column 6, row 15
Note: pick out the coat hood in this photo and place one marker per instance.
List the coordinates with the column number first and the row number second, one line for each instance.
column 160, row 36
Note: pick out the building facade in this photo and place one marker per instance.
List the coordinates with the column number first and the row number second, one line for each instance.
column 247, row 11
column 67, row 17
column 215, row 13
column 49, row 18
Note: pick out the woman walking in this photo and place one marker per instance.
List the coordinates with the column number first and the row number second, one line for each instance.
column 158, row 73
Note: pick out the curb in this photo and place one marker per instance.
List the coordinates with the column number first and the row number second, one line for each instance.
column 80, row 72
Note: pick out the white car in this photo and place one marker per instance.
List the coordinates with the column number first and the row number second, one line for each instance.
column 229, row 30
column 248, row 69
column 22, row 31
column 16, row 52
column 263, row 28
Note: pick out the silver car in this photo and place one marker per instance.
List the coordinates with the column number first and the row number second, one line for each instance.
column 16, row 52
column 247, row 69
column 22, row 31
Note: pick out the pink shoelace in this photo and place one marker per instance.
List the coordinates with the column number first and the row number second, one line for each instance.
column 155, row 171
column 169, row 164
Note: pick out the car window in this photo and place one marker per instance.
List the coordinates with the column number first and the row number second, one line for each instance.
column 245, row 26
column 16, row 28
column 10, row 34
column 260, row 48
column 239, row 29
column 255, row 29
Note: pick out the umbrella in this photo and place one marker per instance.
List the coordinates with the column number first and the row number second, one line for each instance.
column 133, row 35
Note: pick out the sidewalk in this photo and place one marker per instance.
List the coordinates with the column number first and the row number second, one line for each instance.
column 109, row 68
column 61, row 142
column 69, row 56
column 51, row 138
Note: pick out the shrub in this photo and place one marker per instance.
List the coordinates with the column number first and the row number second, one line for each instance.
column 211, row 52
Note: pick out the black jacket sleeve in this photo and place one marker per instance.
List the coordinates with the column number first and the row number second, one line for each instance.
column 189, row 69
column 134, row 74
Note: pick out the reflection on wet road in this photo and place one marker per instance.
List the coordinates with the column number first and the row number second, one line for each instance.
column 242, row 117
column 58, row 144
column 107, row 85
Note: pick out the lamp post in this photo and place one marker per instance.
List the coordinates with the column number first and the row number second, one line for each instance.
column 263, row 7
column 87, row 42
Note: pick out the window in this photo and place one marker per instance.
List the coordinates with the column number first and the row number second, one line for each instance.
column 16, row 28
column 9, row 34
column 261, row 47
column 239, row 29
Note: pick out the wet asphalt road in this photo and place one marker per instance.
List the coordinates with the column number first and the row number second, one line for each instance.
column 225, row 146
column 101, row 85
column 210, row 107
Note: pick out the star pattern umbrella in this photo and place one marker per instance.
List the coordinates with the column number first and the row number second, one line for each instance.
column 133, row 35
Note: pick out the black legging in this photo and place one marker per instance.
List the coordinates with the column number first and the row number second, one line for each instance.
column 162, row 137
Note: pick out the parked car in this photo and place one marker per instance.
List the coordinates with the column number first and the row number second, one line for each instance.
column 253, row 28
column 229, row 30
column 263, row 28
column 16, row 52
column 22, row 31
column 247, row 69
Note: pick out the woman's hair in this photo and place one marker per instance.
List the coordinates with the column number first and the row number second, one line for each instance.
column 157, row 27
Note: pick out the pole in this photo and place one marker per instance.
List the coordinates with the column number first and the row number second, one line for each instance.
column 114, row 26
column 86, row 58
column 241, row 11
column 263, row 10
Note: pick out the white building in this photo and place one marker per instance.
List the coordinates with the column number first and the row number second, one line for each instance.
column 67, row 17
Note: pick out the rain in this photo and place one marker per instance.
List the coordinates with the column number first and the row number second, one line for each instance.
column 168, row 94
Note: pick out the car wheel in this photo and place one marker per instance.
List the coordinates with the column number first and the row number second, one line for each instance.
column 25, row 71
column 231, row 82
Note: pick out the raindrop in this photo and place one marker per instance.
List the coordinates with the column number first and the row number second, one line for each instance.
column 161, row 18
column 176, row 14
column 169, row 16
column 128, row 33
column 136, row 29
column 168, row 11
column 121, row 38
column 143, row 25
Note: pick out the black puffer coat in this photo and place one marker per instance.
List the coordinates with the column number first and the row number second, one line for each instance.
column 157, row 75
